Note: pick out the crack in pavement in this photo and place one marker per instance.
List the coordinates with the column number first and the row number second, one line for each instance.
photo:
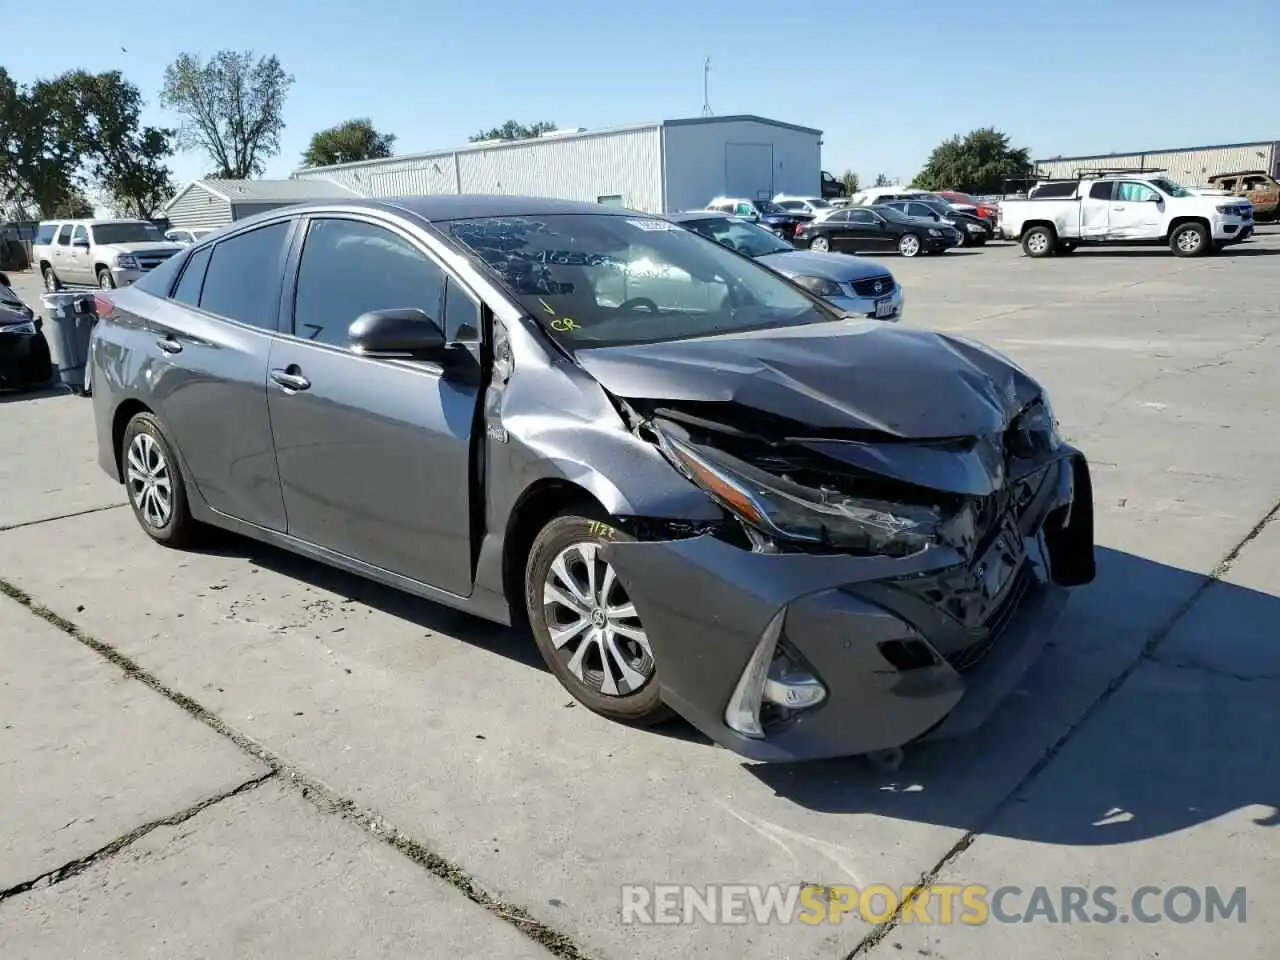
column 81, row 864
column 324, row 799
column 64, row 516
column 1158, row 636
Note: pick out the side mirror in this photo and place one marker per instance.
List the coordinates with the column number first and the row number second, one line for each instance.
column 937, row 217
column 1153, row 198
column 402, row 334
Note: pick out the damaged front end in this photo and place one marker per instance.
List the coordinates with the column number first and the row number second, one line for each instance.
column 864, row 590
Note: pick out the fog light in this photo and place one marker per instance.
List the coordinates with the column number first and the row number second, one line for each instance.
column 771, row 677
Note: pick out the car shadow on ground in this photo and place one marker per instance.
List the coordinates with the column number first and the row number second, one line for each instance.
column 1188, row 745
column 38, row 393
column 1104, row 251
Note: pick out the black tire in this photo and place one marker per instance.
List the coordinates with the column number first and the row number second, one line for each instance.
column 1190, row 240
column 904, row 245
column 964, row 238
column 178, row 528
column 980, row 240
column 105, row 280
column 51, row 282
column 642, row 706
column 1040, row 242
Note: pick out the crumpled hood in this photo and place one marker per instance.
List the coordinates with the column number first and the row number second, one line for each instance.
column 847, row 375
column 833, row 266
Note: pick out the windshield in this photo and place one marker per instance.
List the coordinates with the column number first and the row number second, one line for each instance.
column 594, row 280
column 739, row 235
column 1171, row 188
column 125, row 233
column 818, row 204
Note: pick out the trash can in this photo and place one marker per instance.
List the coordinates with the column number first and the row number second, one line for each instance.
column 69, row 324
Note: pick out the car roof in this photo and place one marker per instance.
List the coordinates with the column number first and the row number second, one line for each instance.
column 460, row 207
column 93, row 221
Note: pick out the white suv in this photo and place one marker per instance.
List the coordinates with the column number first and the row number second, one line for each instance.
column 101, row 253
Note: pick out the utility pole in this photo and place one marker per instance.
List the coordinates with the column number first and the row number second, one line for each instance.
column 706, row 87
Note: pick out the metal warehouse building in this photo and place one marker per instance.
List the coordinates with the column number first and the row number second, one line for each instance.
column 215, row 203
column 659, row 167
column 1189, row 165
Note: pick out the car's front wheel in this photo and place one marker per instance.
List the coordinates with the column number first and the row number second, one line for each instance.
column 154, row 483
column 586, row 626
column 51, row 282
column 909, row 245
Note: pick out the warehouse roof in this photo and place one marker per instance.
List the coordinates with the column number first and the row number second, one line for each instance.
column 1138, row 153
column 265, row 191
column 560, row 136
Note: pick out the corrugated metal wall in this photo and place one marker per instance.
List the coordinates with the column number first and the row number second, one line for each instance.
column 705, row 160
column 1186, row 166
column 625, row 163
column 199, row 208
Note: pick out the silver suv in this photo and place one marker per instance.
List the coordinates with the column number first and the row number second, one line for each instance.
column 101, row 253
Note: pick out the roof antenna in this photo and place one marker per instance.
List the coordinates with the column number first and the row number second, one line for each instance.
column 706, row 84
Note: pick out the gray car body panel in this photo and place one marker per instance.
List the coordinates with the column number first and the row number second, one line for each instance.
column 539, row 417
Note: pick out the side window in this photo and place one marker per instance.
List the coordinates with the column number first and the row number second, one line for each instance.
column 64, row 236
column 1129, row 192
column 1101, row 190
column 349, row 268
column 188, row 290
column 242, row 281
column 461, row 314
column 46, row 232
column 920, row 210
column 861, row 216
column 79, row 233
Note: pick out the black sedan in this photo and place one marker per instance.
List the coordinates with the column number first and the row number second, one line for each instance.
column 24, row 353
column 974, row 231
column 871, row 229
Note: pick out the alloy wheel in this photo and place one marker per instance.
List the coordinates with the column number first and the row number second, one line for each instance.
column 909, row 246
column 593, row 624
column 820, row 244
column 1037, row 244
column 1189, row 241
column 50, row 280
column 106, row 281
column 150, row 487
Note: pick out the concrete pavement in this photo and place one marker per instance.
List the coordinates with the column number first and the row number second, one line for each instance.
column 1136, row 751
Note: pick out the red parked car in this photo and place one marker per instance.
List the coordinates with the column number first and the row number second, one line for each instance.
column 987, row 211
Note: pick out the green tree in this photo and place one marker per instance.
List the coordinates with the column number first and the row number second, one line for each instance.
column 882, row 180
column 232, row 108
column 41, row 147
column 347, row 143
column 849, row 179
column 511, row 130
column 978, row 162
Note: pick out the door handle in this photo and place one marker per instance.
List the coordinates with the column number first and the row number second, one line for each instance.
column 169, row 345
column 290, row 380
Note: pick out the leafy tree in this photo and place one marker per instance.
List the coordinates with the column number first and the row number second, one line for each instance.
column 232, row 106
column 882, row 180
column 978, row 162
column 123, row 157
column 41, row 148
column 347, row 143
column 511, row 130
column 849, row 179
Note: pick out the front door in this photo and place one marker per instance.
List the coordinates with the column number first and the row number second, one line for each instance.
column 79, row 267
column 374, row 454
column 869, row 231
column 1137, row 212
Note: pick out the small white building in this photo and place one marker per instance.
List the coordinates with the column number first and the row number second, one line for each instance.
column 211, row 204
column 1188, row 165
column 658, row 167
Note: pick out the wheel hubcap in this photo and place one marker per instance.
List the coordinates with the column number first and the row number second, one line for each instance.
column 49, row 283
column 150, row 488
column 593, row 623
column 1188, row 241
column 910, row 246
column 1038, row 243
column 820, row 244
column 104, row 281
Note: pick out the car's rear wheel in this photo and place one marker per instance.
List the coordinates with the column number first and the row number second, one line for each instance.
column 51, row 282
column 820, row 245
column 909, row 245
column 585, row 624
column 154, row 483
column 1039, row 242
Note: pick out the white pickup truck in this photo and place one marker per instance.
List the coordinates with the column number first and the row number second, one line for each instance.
column 1127, row 210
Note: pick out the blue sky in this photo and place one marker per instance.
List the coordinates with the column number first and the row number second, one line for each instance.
column 886, row 82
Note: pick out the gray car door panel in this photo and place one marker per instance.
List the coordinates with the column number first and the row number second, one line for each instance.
column 374, row 454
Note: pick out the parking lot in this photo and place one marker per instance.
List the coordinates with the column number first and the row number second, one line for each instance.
column 239, row 752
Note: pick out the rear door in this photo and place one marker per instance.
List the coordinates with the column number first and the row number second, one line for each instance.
column 375, row 455
column 1095, row 210
column 209, row 356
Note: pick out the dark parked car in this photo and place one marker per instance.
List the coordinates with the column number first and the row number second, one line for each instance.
column 974, row 231
column 875, row 229
column 705, row 489
column 768, row 214
column 854, row 285
column 24, row 352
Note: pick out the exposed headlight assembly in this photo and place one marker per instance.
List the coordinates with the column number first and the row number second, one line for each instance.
column 788, row 511
column 127, row 261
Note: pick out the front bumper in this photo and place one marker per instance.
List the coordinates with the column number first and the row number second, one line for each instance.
column 706, row 604
column 124, row 276
column 887, row 308
column 1232, row 229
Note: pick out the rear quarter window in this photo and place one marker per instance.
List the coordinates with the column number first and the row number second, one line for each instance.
column 45, row 234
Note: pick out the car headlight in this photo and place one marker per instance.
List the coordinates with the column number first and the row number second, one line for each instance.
column 127, row 261
column 785, row 510
column 973, row 227
column 820, row 286
column 19, row 329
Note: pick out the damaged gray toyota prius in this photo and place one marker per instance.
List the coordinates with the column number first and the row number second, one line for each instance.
column 705, row 489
